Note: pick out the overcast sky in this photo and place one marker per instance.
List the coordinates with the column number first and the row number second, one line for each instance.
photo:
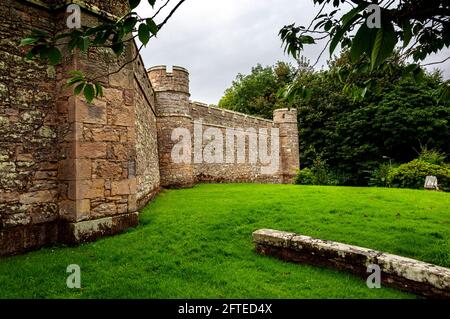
column 217, row 39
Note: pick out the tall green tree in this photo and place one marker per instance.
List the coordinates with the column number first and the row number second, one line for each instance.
column 257, row 92
column 354, row 136
column 397, row 117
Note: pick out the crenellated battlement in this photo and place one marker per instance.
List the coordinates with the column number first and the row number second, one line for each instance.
column 285, row 116
column 163, row 80
column 210, row 108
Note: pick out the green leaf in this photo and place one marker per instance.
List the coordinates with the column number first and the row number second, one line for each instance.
column 43, row 53
column 134, row 3
column 407, row 33
column 419, row 54
column 98, row 89
column 75, row 38
column 76, row 73
column 79, row 88
column 444, row 92
column 72, row 43
column 362, row 42
column 418, row 74
column 54, row 55
column 89, row 92
column 28, row 41
column 350, row 16
column 339, row 35
column 35, row 51
column 143, row 33
column 102, row 37
column 97, row 29
column 363, row 92
column 336, row 39
column 118, row 36
column 152, row 27
column 63, row 35
column 83, row 44
column 410, row 68
column 31, row 54
column 384, row 44
column 118, row 48
column 362, row 68
column 307, row 94
column 319, row 24
column 129, row 24
column 306, row 39
column 73, row 81
column 348, row 20
column 39, row 33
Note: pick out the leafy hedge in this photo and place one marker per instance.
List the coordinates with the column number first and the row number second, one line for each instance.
column 413, row 174
column 305, row 177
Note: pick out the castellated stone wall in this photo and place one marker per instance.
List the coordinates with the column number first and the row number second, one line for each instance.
column 146, row 142
column 73, row 171
column 233, row 163
column 232, row 169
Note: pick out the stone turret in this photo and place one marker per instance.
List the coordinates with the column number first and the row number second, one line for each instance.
column 286, row 120
column 173, row 111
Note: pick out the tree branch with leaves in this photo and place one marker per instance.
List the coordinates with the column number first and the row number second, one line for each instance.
column 113, row 35
column 408, row 29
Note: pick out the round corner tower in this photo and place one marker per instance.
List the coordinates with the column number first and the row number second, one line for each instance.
column 173, row 111
column 286, row 121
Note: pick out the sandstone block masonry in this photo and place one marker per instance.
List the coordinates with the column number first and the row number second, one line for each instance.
column 175, row 110
column 72, row 171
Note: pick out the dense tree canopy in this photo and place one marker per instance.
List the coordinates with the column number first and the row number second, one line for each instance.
column 257, row 92
column 397, row 117
column 375, row 31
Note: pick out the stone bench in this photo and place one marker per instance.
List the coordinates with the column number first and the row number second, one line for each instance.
column 404, row 273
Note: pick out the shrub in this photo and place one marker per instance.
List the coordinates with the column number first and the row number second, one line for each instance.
column 380, row 176
column 321, row 175
column 315, row 176
column 318, row 174
column 432, row 156
column 413, row 174
column 305, row 177
column 339, row 178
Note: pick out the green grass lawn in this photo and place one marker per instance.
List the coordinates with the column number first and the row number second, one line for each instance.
column 196, row 243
